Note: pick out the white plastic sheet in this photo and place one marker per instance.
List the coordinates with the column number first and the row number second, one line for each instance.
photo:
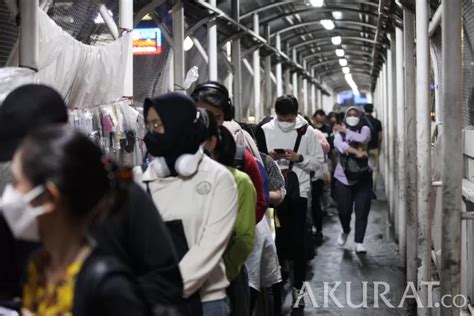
column 85, row 75
column 12, row 78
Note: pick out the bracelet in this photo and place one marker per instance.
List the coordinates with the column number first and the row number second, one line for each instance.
column 301, row 158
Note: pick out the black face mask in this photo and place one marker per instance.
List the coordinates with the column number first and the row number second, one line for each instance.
column 159, row 145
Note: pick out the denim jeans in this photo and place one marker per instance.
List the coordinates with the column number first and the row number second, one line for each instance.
column 215, row 308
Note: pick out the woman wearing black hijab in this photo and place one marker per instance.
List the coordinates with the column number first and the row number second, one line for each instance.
column 353, row 176
column 195, row 195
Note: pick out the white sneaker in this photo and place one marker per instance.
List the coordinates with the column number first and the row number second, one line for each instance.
column 359, row 248
column 341, row 241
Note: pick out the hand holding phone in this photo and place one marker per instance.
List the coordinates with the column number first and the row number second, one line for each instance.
column 280, row 151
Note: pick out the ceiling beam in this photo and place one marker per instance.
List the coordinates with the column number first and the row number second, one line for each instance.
column 287, row 2
column 304, row 24
column 272, row 19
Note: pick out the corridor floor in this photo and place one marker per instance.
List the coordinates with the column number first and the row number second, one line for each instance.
column 334, row 263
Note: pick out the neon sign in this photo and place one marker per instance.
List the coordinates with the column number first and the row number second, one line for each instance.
column 147, row 41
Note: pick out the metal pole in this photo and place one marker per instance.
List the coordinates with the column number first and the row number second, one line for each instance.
column 394, row 139
column 320, row 95
column 410, row 106
column 29, row 37
column 126, row 23
column 295, row 76
column 386, row 130
column 237, row 65
column 200, row 49
column 313, row 94
column 256, row 72
column 287, row 81
column 305, row 92
column 435, row 21
column 423, row 134
column 178, row 37
column 390, row 122
column 212, row 46
column 109, row 21
column 401, row 142
column 452, row 173
column 268, row 77
column 278, row 69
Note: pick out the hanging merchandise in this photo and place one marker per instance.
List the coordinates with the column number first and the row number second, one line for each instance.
column 115, row 127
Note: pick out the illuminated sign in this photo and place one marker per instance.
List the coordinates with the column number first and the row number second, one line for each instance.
column 147, row 41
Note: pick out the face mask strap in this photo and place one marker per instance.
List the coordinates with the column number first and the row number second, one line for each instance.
column 33, row 194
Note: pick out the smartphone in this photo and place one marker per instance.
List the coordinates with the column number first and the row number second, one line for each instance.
column 280, row 151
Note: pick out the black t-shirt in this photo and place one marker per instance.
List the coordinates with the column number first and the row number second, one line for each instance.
column 328, row 132
column 375, row 128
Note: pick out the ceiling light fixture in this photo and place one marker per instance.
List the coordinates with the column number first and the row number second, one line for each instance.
column 346, row 70
column 327, row 24
column 337, row 15
column 336, row 40
column 317, row 3
column 340, row 52
column 188, row 44
column 343, row 62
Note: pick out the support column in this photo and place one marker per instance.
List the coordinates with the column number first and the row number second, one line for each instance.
column 305, row 91
column 452, row 172
column 410, row 106
column 237, row 65
column 178, row 39
column 268, row 78
column 256, row 73
column 423, row 135
column 126, row 23
column 212, row 46
column 401, row 143
column 313, row 93
column 386, row 140
column 295, row 76
column 394, row 138
column 390, row 122
column 278, row 70
column 287, row 81
column 320, row 95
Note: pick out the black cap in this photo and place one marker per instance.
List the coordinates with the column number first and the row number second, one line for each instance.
column 25, row 109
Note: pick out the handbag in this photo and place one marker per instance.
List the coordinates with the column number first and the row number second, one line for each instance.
column 355, row 168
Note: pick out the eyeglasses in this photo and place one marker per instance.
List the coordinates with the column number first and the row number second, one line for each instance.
column 153, row 126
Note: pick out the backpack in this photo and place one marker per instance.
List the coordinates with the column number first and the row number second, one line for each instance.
column 239, row 160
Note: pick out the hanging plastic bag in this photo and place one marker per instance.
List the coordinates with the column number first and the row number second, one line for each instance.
column 191, row 77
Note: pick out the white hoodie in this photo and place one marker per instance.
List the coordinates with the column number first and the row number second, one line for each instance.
column 206, row 203
column 309, row 148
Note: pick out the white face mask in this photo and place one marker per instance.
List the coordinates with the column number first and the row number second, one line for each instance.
column 352, row 121
column 19, row 214
column 286, row 126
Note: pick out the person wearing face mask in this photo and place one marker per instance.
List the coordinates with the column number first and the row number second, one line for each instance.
column 135, row 233
column 60, row 183
column 214, row 97
column 294, row 145
column 353, row 176
column 25, row 108
column 222, row 148
column 196, row 196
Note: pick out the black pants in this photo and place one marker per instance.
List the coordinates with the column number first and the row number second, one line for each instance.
column 359, row 198
column 239, row 294
column 317, row 192
column 290, row 237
